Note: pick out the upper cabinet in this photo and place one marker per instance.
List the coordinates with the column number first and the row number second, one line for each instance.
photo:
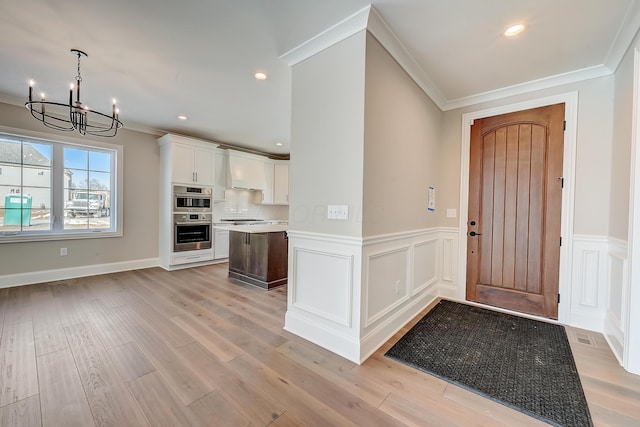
column 245, row 170
column 281, row 182
column 191, row 161
column 220, row 176
column 276, row 190
column 267, row 191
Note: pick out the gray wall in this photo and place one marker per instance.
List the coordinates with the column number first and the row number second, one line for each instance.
column 141, row 159
column 621, row 150
column 402, row 148
column 327, row 137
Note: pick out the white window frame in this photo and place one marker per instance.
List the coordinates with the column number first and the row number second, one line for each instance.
column 57, row 231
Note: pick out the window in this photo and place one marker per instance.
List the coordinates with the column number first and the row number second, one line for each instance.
column 52, row 190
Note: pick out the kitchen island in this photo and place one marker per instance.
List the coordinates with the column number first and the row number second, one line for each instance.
column 258, row 254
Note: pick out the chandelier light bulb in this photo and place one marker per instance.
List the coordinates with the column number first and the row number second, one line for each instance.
column 31, row 83
column 42, row 95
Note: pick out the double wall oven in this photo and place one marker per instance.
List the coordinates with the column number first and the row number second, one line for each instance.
column 192, row 218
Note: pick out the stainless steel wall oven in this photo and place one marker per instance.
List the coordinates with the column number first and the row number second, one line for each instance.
column 191, row 231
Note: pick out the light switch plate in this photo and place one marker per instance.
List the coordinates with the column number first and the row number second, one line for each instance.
column 338, row 212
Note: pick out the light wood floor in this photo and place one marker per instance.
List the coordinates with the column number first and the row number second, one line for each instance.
column 190, row 348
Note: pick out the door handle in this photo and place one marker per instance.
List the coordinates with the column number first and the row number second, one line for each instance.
column 473, row 234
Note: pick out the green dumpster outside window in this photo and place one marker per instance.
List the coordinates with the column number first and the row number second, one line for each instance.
column 17, row 210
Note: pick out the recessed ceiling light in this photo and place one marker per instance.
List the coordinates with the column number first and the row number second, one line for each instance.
column 181, row 117
column 279, row 144
column 260, row 76
column 513, row 30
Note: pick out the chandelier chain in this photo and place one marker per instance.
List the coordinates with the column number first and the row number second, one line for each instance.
column 79, row 77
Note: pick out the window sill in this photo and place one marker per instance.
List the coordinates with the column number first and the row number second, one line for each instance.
column 20, row 238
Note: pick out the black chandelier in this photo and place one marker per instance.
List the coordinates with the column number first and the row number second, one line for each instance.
column 74, row 115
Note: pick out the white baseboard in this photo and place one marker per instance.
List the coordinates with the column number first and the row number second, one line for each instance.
column 614, row 336
column 385, row 330
column 11, row 280
column 591, row 321
column 322, row 335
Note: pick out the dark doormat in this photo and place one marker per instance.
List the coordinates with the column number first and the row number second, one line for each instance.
column 522, row 363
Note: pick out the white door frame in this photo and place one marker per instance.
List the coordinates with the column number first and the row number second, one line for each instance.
column 631, row 350
column 570, row 100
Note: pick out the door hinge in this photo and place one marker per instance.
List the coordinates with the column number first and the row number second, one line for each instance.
column 558, row 298
column 564, row 125
column 560, row 240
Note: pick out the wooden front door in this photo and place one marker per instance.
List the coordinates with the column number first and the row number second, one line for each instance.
column 515, row 200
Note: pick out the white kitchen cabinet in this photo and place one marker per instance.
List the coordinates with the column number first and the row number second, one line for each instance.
column 192, row 161
column 276, row 190
column 221, row 244
column 281, row 183
column 219, row 176
column 266, row 196
column 190, row 257
column 183, row 161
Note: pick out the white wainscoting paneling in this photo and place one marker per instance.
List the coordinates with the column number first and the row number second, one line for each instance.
column 384, row 311
column 589, row 282
column 450, row 287
column 324, row 291
column 349, row 295
column 617, row 301
column 324, row 284
column 386, row 282
column 425, row 265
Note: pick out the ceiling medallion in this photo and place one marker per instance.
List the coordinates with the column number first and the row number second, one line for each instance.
column 74, row 115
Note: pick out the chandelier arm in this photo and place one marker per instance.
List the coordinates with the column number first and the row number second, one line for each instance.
column 43, row 116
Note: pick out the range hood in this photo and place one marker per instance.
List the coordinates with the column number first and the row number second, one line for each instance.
column 245, row 171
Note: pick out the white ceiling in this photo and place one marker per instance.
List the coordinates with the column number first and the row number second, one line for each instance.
column 163, row 58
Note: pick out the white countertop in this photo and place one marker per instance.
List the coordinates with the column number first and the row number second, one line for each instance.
column 255, row 228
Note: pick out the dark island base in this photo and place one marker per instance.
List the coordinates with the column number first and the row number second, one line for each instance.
column 256, row 282
column 259, row 259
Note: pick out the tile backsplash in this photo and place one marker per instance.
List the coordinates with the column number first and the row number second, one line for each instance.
column 239, row 204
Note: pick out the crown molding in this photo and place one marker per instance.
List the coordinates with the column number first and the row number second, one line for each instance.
column 627, row 32
column 531, row 86
column 332, row 35
column 385, row 35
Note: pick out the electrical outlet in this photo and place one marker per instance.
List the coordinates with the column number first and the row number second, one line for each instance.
column 63, row 252
column 451, row 213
